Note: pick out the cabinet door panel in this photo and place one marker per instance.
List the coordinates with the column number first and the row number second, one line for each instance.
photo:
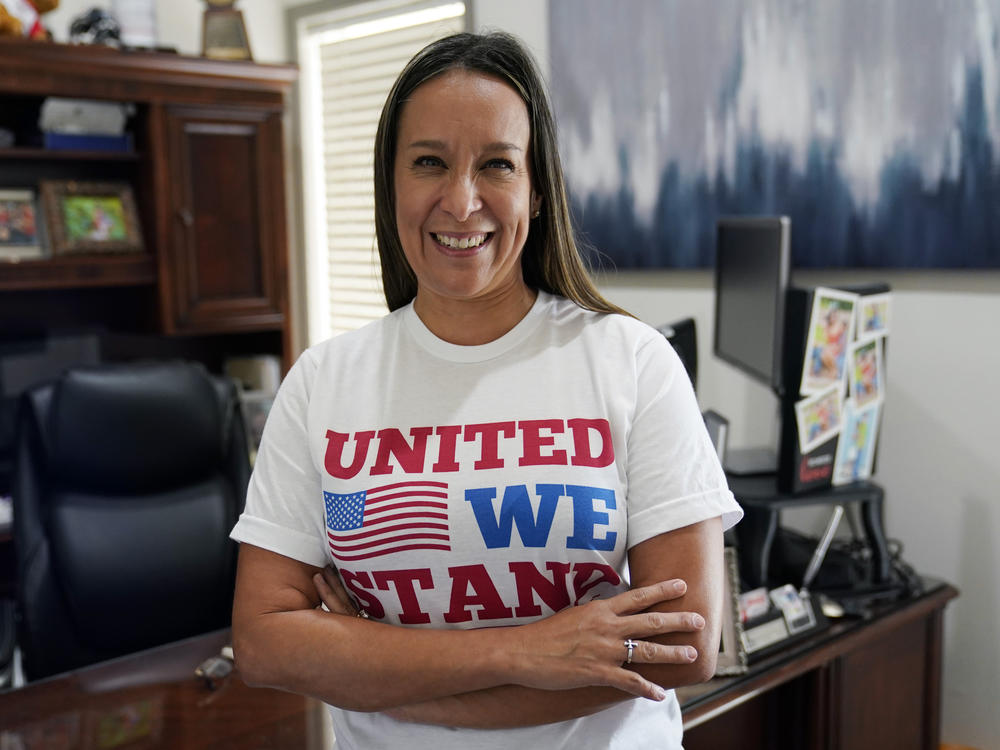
column 882, row 697
column 225, row 270
column 227, row 255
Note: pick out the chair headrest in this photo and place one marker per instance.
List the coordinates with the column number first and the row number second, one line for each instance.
column 134, row 428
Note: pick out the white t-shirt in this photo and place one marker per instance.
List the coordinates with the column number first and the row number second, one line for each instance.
column 477, row 486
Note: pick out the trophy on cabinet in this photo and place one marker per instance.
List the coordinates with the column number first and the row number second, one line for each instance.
column 223, row 33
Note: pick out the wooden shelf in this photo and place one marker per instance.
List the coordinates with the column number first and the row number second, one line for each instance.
column 73, row 271
column 53, row 69
column 48, row 154
column 207, row 173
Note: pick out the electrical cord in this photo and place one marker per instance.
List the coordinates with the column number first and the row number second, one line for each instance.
column 903, row 570
column 901, row 573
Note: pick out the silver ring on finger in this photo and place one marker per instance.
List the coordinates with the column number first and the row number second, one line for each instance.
column 629, row 648
column 362, row 614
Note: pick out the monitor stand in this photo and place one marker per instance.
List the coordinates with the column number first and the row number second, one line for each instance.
column 751, row 461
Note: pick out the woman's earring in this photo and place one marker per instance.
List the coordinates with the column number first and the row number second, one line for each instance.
column 538, row 212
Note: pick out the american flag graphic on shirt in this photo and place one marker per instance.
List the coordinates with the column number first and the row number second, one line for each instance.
column 387, row 519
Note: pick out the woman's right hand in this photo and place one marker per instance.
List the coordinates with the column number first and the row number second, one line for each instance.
column 582, row 646
column 585, row 645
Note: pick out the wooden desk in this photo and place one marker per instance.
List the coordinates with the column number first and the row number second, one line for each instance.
column 859, row 685
column 156, row 695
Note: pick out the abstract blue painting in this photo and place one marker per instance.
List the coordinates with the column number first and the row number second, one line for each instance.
column 874, row 125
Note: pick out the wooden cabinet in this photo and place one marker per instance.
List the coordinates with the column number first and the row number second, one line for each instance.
column 207, row 171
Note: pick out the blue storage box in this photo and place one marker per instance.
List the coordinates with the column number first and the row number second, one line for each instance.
column 87, row 142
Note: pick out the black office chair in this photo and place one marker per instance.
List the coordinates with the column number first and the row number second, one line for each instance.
column 127, row 481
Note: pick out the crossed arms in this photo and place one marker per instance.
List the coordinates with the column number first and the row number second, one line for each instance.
column 560, row 667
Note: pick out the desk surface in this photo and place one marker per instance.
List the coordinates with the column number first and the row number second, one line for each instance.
column 153, row 699
column 699, row 703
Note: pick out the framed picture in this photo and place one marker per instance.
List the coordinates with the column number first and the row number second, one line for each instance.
column 866, row 376
column 873, row 316
column 19, row 226
column 819, row 418
column 732, row 651
column 831, row 329
column 856, row 447
column 91, row 217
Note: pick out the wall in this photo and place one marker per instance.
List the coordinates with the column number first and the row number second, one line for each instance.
column 940, row 443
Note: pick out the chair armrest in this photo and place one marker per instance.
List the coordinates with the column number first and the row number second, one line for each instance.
column 7, row 641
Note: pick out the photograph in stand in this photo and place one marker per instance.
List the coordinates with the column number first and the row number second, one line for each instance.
column 831, row 329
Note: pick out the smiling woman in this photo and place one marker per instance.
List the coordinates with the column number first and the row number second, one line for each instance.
column 464, row 200
column 550, row 260
column 466, row 484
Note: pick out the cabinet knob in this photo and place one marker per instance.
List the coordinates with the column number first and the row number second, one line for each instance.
column 185, row 215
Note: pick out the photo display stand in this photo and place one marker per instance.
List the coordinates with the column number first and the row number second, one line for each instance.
column 833, row 370
column 832, row 387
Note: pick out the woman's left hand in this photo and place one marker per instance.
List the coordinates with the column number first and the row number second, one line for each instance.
column 333, row 594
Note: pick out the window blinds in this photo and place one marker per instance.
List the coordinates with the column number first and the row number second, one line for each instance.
column 349, row 59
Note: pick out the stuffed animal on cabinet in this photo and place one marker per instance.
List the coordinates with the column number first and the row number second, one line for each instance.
column 24, row 18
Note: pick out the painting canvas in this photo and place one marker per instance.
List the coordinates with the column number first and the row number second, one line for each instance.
column 874, row 126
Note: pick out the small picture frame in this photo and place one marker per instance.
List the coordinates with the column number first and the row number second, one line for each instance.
column 873, row 316
column 866, row 375
column 831, row 329
column 732, row 650
column 818, row 418
column 91, row 217
column 856, row 447
column 20, row 233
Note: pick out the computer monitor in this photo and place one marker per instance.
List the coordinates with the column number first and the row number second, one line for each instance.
column 752, row 266
column 683, row 337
